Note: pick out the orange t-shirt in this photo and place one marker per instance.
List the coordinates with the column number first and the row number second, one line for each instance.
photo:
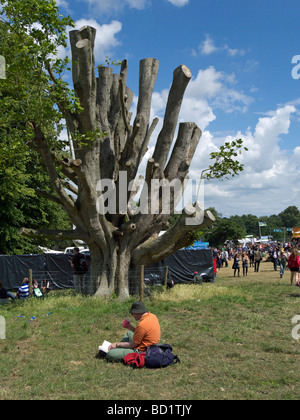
column 147, row 332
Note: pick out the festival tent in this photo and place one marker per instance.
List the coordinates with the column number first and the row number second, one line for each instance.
column 199, row 245
column 296, row 233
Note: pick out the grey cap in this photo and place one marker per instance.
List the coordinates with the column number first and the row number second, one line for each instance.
column 138, row 308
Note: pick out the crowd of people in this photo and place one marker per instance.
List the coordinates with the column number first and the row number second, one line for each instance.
column 283, row 256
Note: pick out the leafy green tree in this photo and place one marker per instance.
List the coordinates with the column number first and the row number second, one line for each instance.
column 250, row 222
column 225, row 230
column 290, row 217
column 22, row 173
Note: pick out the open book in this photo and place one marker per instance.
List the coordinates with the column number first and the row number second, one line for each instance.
column 104, row 346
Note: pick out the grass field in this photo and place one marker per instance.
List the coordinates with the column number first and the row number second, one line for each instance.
column 234, row 340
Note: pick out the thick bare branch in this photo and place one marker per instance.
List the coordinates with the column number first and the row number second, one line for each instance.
column 72, row 188
column 182, row 76
column 82, row 46
column 41, row 143
column 187, row 141
column 104, row 86
column 136, row 142
column 158, row 248
column 48, row 196
column 71, row 119
column 53, row 234
column 123, row 108
column 114, row 113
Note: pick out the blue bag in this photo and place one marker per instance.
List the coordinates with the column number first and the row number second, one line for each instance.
column 160, row 356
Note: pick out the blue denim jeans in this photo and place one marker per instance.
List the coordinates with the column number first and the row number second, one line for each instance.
column 282, row 268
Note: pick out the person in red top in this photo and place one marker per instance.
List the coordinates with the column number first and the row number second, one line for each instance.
column 294, row 264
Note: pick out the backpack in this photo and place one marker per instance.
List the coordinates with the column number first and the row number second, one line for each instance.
column 82, row 266
column 160, row 356
column 135, row 360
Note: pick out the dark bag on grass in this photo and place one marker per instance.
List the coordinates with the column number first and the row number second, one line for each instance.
column 160, row 356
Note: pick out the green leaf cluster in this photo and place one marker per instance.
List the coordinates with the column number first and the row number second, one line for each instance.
column 224, row 160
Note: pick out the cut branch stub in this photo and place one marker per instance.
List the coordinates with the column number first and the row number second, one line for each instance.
column 182, row 76
column 138, row 140
column 84, row 79
column 183, row 152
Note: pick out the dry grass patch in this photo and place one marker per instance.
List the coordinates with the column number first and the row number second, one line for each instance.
column 183, row 292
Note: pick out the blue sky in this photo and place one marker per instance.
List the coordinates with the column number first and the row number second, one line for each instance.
column 240, row 54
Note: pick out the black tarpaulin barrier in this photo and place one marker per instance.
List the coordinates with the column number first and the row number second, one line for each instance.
column 182, row 265
column 55, row 268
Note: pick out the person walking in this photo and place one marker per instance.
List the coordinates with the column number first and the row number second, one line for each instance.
column 257, row 259
column 251, row 256
column 283, row 263
column 236, row 265
column 275, row 258
column 245, row 264
column 294, row 264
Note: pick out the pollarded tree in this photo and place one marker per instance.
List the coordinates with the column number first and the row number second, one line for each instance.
column 95, row 186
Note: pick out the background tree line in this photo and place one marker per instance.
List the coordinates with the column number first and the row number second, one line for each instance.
column 238, row 227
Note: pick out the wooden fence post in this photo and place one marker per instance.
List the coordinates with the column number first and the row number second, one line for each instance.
column 166, row 277
column 142, row 282
column 30, row 282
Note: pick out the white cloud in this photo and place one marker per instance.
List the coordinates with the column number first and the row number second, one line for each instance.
column 265, row 186
column 208, row 46
column 179, row 3
column 207, row 83
column 216, row 87
column 197, row 111
column 235, row 51
column 137, row 4
column 114, row 6
column 62, row 3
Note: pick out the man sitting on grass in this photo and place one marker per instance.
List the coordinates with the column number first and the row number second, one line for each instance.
column 23, row 292
column 146, row 333
column 5, row 295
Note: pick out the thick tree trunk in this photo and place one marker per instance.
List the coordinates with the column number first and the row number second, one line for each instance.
column 109, row 272
column 102, row 271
